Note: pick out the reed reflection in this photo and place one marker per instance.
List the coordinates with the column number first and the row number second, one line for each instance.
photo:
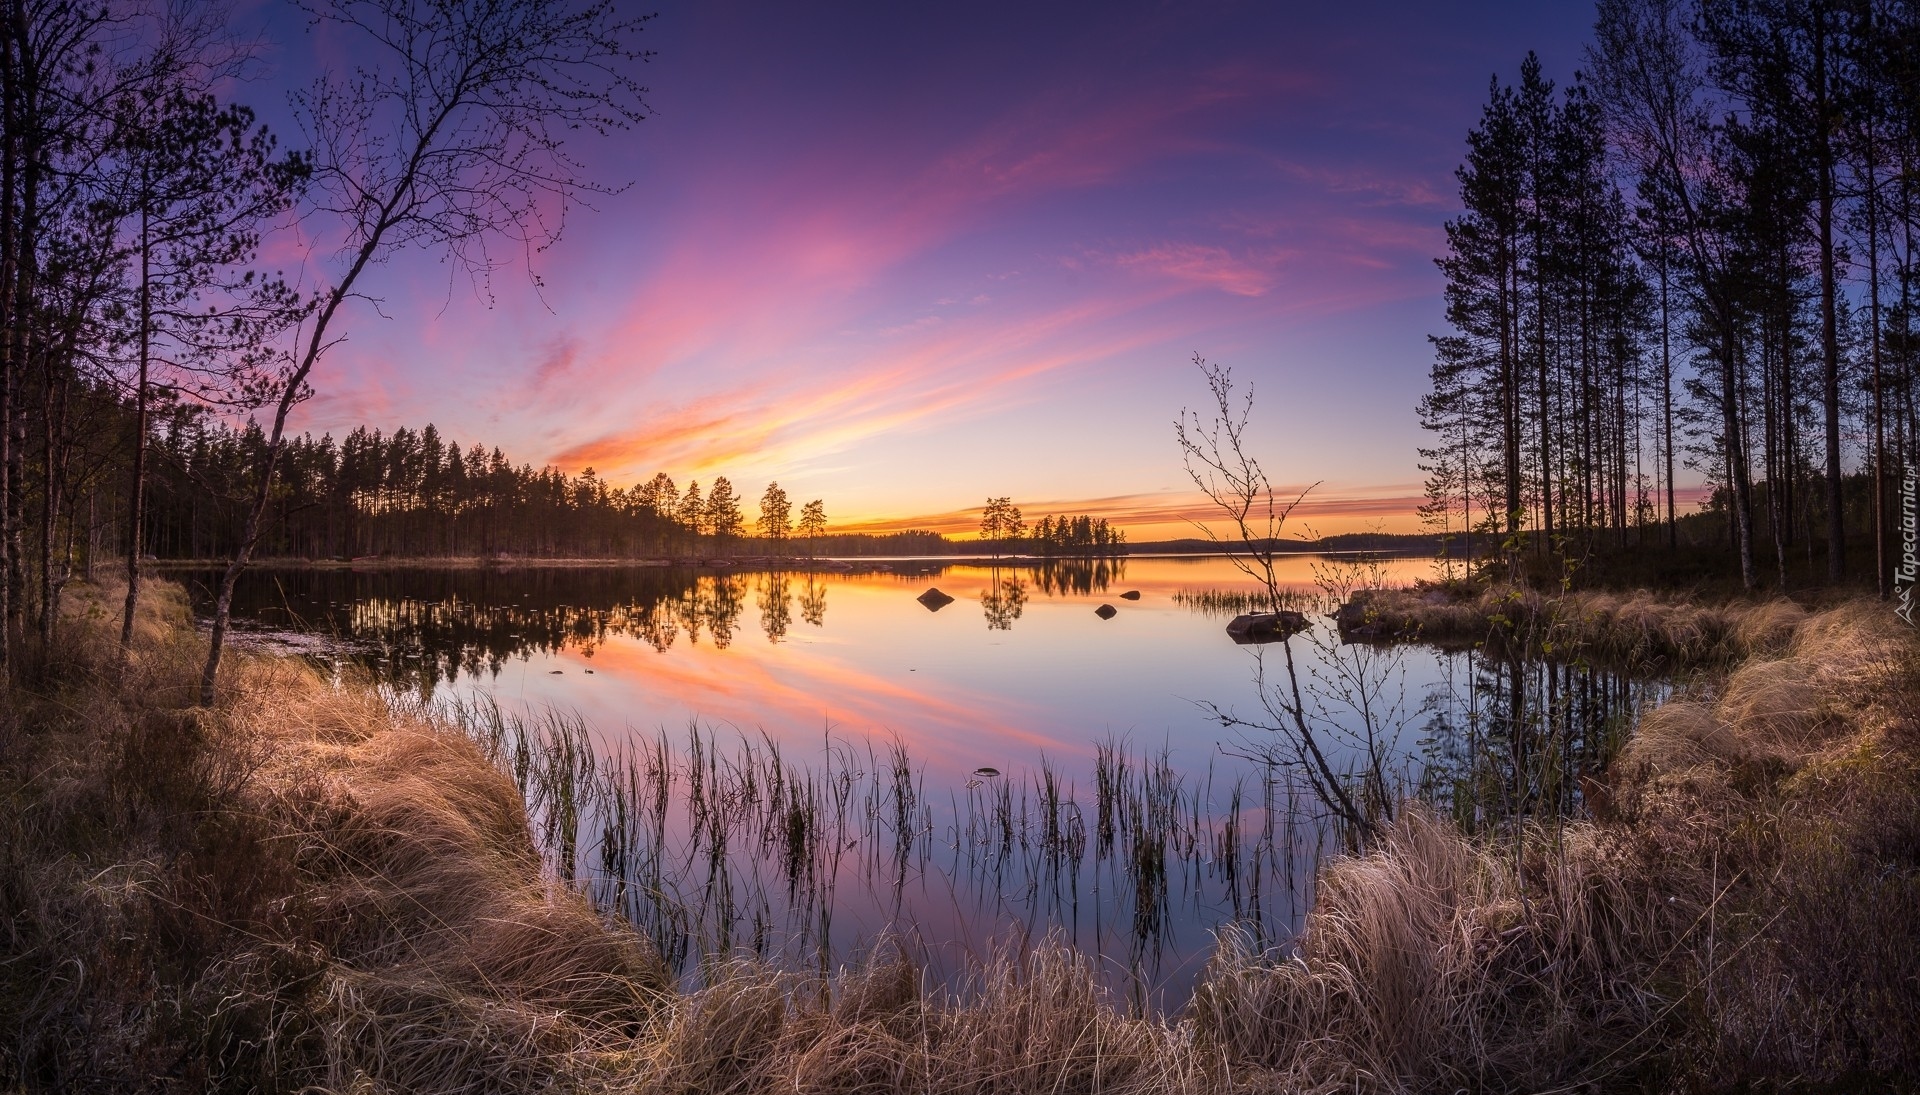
column 804, row 856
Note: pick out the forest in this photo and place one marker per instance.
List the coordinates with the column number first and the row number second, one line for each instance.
column 413, row 494
column 1691, row 263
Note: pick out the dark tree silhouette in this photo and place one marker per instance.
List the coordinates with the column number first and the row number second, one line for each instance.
column 200, row 179
column 451, row 136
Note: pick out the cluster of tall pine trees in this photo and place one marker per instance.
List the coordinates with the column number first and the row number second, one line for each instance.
column 1075, row 536
column 1692, row 265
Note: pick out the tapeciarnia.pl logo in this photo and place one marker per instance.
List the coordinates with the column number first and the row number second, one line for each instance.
column 1908, row 572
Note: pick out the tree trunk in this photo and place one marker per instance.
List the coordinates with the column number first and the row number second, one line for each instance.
column 1666, row 399
column 1829, row 318
column 136, row 490
column 1741, row 516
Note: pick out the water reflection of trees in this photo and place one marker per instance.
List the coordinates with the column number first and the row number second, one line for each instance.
column 416, row 629
column 1009, row 588
column 1510, row 737
column 1003, row 600
column 775, row 604
column 813, row 601
column 1056, row 577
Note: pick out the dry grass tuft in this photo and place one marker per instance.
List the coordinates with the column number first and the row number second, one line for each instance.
column 1039, row 1022
column 1748, row 919
column 308, row 887
column 1639, row 629
column 1434, row 962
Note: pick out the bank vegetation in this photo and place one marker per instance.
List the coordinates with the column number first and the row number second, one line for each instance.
column 304, row 888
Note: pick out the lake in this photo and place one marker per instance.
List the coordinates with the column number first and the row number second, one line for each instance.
column 799, row 763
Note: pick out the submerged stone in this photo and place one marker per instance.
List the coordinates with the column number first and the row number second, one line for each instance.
column 1266, row 627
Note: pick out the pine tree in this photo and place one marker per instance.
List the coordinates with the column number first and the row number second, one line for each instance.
column 813, row 522
column 776, row 515
column 693, row 511
column 723, row 520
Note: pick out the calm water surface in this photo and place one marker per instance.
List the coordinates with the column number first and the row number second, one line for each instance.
column 1065, row 775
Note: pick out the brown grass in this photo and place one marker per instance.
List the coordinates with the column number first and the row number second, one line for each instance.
column 1639, row 629
column 307, row 888
column 303, row 890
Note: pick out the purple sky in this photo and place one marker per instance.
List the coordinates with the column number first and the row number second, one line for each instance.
column 906, row 256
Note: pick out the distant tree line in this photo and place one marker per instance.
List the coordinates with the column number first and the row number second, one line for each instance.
column 1696, row 260
column 415, row 493
column 418, row 494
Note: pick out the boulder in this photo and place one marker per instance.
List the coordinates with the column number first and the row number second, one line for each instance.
column 1130, row 595
column 1266, row 627
column 934, row 599
column 1106, row 612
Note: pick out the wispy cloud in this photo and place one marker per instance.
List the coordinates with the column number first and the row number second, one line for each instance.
column 789, row 303
column 773, row 426
column 1213, row 267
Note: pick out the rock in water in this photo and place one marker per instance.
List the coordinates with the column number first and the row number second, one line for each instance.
column 934, row 599
column 1106, row 612
column 1130, row 595
column 1266, row 627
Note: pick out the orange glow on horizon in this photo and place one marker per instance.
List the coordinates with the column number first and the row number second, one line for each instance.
column 1147, row 518
column 1168, row 516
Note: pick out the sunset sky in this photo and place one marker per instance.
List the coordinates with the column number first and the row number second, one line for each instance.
column 903, row 256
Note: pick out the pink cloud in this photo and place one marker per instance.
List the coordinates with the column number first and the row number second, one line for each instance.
column 888, row 388
column 765, row 325
column 1214, row 267
column 558, row 360
column 1407, row 191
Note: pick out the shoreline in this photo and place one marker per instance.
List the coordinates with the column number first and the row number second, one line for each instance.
column 363, row 887
column 830, row 564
